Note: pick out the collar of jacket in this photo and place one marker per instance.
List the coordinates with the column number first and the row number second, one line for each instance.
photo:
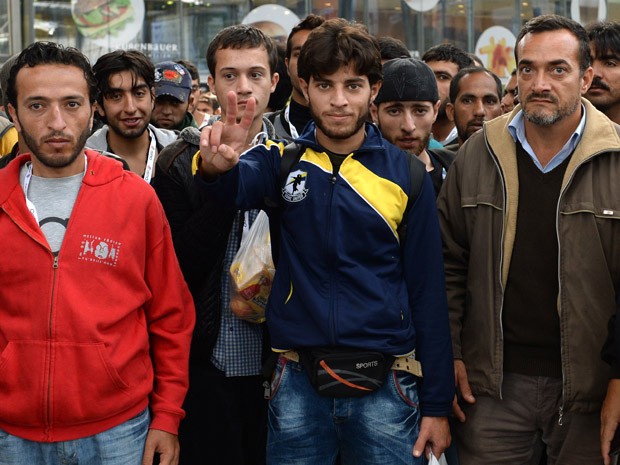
column 101, row 170
column 600, row 135
column 372, row 141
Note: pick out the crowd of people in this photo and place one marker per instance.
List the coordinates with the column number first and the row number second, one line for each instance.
column 447, row 272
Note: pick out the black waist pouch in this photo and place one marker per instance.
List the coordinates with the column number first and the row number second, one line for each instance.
column 345, row 372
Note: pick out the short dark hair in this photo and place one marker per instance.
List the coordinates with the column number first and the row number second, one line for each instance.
column 456, row 80
column 134, row 61
column 337, row 43
column 279, row 97
column 546, row 23
column 50, row 53
column 191, row 67
column 605, row 38
column 309, row 23
column 242, row 36
column 448, row 52
column 391, row 48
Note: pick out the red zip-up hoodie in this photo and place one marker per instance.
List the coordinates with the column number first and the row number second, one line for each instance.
column 92, row 336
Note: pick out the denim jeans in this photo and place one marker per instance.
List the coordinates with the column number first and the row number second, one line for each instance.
column 308, row 429
column 121, row 445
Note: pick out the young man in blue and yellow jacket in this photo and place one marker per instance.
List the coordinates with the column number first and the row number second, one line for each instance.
column 353, row 290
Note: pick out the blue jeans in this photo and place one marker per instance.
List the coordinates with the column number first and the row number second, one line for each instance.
column 121, row 445
column 308, row 429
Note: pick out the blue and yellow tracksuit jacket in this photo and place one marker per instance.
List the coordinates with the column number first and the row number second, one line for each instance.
column 344, row 276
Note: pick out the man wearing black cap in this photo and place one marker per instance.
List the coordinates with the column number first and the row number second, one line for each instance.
column 406, row 108
column 173, row 87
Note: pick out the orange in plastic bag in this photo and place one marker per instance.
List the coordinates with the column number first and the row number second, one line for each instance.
column 252, row 272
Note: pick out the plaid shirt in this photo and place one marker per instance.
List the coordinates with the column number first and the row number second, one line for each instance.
column 239, row 345
column 238, row 348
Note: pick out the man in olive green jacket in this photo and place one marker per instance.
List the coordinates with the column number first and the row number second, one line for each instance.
column 530, row 215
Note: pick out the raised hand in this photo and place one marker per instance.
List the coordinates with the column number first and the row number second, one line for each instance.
column 222, row 144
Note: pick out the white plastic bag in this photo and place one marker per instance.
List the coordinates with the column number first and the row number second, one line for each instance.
column 437, row 461
column 252, row 272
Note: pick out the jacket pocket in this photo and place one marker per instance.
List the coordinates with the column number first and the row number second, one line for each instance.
column 22, row 382
column 86, row 387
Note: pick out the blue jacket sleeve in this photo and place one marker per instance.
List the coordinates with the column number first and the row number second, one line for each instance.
column 424, row 273
column 247, row 185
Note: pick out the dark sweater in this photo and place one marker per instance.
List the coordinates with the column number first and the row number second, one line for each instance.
column 530, row 311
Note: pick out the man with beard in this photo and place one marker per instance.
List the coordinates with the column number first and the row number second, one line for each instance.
column 292, row 119
column 405, row 109
column 475, row 97
column 445, row 60
column 604, row 93
column 529, row 219
column 96, row 316
column 125, row 102
column 359, row 286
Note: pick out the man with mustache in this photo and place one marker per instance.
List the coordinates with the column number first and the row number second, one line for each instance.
column 406, row 108
column 291, row 120
column 173, row 97
column 604, row 93
column 354, row 293
column 445, row 60
column 529, row 215
column 96, row 316
column 475, row 97
column 125, row 80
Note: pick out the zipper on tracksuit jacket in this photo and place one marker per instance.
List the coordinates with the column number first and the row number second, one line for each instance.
column 329, row 256
column 48, row 399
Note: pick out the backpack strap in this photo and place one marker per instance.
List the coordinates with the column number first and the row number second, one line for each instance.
column 444, row 156
column 290, row 155
column 417, row 170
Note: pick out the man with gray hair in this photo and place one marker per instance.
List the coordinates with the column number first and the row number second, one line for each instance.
column 529, row 219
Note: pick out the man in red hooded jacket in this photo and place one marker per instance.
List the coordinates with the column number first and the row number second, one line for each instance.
column 96, row 317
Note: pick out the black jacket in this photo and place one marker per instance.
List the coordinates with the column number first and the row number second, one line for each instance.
column 200, row 230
